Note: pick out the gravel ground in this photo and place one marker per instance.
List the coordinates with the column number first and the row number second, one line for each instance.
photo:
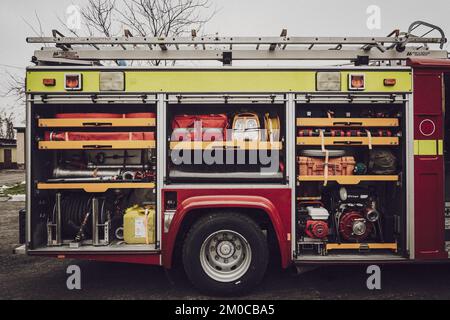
column 9, row 177
column 23, row 277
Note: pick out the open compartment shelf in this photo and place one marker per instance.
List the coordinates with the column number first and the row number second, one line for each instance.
column 97, row 144
column 96, row 123
column 351, row 179
column 362, row 246
column 347, row 122
column 95, row 186
column 350, row 141
column 219, row 142
column 361, row 210
column 242, row 145
column 95, row 172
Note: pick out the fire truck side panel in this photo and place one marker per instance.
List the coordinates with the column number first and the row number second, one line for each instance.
column 429, row 165
column 275, row 202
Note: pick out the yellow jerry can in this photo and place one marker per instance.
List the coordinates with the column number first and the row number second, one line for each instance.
column 139, row 225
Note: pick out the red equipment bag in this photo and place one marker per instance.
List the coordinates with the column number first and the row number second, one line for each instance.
column 188, row 134
column 87, row 115
column 213, row 120
column 183, row 121
column 107, row 136
column 182, row 134
column 207, row 121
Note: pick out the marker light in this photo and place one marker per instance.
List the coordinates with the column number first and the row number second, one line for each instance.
column 72, row 81
column 356, row 81
column 390, row 82
column 49, row 82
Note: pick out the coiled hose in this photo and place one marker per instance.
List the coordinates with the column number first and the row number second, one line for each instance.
column 74, row 210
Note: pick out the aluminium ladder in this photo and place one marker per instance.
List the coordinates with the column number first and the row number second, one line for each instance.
column 392, row 49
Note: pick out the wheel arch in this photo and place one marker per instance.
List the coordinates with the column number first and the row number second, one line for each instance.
column 195, row 207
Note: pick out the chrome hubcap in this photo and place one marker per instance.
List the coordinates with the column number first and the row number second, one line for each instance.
column 225, row 256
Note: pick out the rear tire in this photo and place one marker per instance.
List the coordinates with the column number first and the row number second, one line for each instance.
column 225, row 253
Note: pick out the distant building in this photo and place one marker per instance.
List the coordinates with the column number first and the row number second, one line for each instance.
column 20, row 136
column 8, row 154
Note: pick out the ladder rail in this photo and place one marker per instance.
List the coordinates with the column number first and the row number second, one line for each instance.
column 397, row 46
column 230, row 40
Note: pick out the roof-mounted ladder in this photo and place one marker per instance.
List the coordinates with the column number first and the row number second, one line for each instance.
column 393, row 48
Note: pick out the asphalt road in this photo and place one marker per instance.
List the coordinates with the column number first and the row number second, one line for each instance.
column 23, row 277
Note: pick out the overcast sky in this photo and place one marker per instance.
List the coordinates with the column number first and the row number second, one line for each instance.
column 233, row 17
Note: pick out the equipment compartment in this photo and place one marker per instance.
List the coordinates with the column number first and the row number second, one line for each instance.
column 226, row 142
column 91, row 169
column 350, row 194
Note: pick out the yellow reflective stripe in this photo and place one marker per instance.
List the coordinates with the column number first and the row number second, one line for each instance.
column 428, row 147
column 213, row 81
column 416, row 147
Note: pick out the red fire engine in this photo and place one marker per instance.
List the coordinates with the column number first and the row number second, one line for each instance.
column 220, row 169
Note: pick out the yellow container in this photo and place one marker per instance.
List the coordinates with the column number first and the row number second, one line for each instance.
column 139, row 225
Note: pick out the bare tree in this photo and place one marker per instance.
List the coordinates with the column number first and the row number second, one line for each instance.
column 164, row 18
column 155, row 18
column 8, row 119
column 99, row 17
column 6, row 126
column 14, row 86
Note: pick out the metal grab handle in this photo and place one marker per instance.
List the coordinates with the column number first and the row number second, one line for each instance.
column 97, row 124
column 347, row 142
column 227, row 147
column 347, row 123
column 97, row 146
column 432, row 27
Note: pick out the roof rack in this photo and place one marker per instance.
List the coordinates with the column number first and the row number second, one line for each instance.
column 394, row 48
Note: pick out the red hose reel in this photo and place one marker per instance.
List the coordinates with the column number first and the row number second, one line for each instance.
column 316, row 229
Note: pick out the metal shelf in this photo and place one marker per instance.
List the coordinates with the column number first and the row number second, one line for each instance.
column 97, row 123
column 97, row 144
column 347, row 122
column 236, row 145
column 354, row 179
column 347, row 141
column 361, row 246
column 95, row 187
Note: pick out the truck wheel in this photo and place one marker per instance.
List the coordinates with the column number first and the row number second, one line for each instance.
column 225, row 253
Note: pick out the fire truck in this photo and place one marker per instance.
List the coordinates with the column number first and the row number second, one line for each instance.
column 217, row 171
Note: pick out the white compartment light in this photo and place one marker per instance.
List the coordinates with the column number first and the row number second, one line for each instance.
column 112, row 81
column 328, row 81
